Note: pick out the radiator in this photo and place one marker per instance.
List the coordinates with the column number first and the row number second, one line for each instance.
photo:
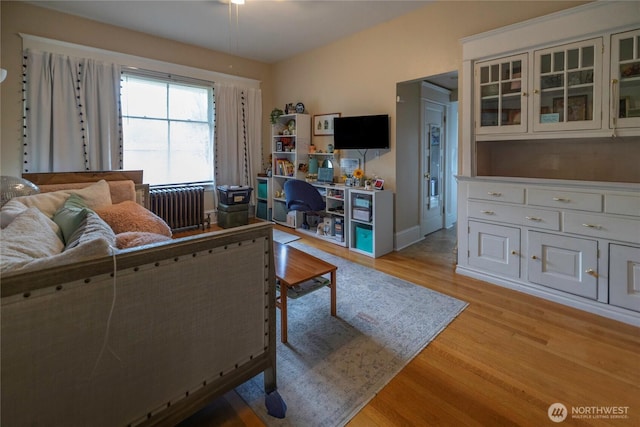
column 180, row 206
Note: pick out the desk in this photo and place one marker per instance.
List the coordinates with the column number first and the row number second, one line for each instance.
column 294, row 267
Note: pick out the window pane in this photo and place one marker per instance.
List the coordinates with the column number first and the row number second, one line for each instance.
column 572, row 59
column 545, row 63
column 626, row 49
column 191, row 156
column 144, row 98
column 188, row 103
column 587, row 56
column 143, row 134
column 558, row 61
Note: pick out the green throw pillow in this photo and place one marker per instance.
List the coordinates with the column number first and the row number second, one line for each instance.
column 69, row 219
column 75, row 201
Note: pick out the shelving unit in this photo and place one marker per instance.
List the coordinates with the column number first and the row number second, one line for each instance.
column 336, row 200
column 263, row 198
column 371, row 222
column 290, row 140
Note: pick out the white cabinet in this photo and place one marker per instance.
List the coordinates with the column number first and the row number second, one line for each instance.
column 570, row 242
column 625, row 80
column 567, row 86
column 500, row 93
column 290, row 140
column 565, row 263
column 335, row 218
column 494, row 248
column 371, row 221
column 624, row 282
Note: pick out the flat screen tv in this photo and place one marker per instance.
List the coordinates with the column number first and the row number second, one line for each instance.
column 361, row 132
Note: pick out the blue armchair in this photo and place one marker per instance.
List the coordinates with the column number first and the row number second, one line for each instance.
column 303, row 197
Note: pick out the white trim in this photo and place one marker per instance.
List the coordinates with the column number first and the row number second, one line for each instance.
column 61, row 47
column 407, row 237
column 561, row 27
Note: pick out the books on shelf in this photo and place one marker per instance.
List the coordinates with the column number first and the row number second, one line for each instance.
column 284, row 167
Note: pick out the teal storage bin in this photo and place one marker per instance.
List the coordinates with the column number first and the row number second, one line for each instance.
column 363, row 238
column 262, row 189
column 262, row 210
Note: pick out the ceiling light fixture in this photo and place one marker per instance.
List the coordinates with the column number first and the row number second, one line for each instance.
column 237, row 1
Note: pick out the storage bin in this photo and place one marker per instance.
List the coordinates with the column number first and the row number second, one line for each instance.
column 233, row 195
column 263, row 191
column 233, row 215
column 262, row 210
column 363, row 238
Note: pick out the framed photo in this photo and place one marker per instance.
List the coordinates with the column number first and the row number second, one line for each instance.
column 323, row 123
column 278, row 145
column 379, row 184
column 349, row 165
column 576, row 108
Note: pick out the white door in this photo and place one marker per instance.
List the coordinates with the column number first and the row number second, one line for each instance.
column 432, row 165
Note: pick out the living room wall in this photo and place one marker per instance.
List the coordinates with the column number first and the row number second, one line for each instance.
column 19, row 17
column 358, row 74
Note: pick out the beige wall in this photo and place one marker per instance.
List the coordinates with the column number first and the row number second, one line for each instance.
column 18, row 17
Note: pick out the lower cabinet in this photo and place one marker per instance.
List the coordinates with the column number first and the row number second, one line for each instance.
column 565, row 263
column 624, row 280
column 495, row 248
column 570, row 242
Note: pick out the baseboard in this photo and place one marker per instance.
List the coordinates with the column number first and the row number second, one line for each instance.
column 594, row 307
column 407, row 237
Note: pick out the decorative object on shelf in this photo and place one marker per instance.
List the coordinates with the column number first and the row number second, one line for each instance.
column 323, row 123
column 348, row 166
column 300, row 108
column 275, row 113
column 378, row 184
column 330, row 148
column 291, row 127
column 289, row 108
column 312, row 149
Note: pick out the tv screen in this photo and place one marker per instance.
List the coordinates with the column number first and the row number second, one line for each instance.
column 361, row 132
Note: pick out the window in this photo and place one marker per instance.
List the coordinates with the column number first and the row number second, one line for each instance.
column 168, row 128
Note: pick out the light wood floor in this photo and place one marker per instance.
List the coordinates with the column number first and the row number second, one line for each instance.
column 502, row 362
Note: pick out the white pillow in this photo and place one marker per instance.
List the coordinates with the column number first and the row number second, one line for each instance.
column 30, row 236
column 95, row 196
column 10, row 211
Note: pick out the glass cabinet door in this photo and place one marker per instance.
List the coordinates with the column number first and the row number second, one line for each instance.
column 567, row 88
column 501, row 95
column 625, row 79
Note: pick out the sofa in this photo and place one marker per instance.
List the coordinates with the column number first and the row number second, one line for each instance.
column 100, row 330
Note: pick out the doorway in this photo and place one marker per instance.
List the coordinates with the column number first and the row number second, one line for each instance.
column 426, row 156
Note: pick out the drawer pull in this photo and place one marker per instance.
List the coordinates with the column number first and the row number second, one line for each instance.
column 591, row 272
column 533, row 218
column 514, row 253
column 494, row 194
column 488, row 212
column 560, row 199
column 534, row 257
column 597, row 227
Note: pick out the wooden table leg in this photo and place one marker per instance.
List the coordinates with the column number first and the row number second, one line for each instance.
column 283, row 311
column 333, row 293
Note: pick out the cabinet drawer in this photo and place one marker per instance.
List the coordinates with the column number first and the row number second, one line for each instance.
column 519, row 215
column 496, row 192
column 622, row 205
column 623, row 229
column 565, row 199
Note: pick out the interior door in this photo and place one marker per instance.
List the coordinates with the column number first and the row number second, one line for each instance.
column 432, row 165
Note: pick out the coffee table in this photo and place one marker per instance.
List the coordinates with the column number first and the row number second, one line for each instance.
column 294, row 267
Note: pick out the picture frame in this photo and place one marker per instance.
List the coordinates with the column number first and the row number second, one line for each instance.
column 576, row 108
column 378, row 184
column 347, row 166
column 278, row 145
column 323, row 123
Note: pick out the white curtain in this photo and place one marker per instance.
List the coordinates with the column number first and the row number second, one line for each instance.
column 238, row 139
column 72, row 114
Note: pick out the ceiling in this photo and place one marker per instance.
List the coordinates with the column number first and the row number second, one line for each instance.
column 264, row 30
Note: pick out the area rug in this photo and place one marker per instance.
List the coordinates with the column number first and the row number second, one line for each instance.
column 283, row 237
column 331, row 367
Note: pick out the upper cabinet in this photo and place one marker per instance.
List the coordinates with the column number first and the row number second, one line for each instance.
column 625, row 80
column 501, row 90
column 567, row 87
